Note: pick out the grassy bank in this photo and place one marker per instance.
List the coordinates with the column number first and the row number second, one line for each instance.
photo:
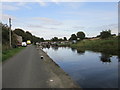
column 64, row 45
column 109, row 46
column 9, row 53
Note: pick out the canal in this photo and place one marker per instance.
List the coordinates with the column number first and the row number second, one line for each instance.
column 89, row 69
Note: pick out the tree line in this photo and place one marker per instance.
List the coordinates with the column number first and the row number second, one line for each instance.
column 58, row 39
column 26, row 35
column 78, row 36
column 81, row 35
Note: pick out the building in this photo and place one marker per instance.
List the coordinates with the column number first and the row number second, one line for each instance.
column 19, row 40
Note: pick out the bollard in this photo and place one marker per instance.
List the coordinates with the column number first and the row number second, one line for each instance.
column 41, row 57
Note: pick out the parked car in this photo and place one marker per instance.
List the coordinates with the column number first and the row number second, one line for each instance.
column 24, row 44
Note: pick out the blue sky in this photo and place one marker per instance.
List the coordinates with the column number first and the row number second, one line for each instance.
column 61, row 19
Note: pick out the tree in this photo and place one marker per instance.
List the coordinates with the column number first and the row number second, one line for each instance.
column 81, row 35
column 60, row 39
column 14, row 39
column 73, row 37
column 37, row 39
column 29, row 36
column 105, row 34
column 25, row 36
column 22, row 33
column 5, row 34
column 27, row 32
column 5, row 37
column 55, row 39
column 19, row 32
column 65, row 39
column 42, row 39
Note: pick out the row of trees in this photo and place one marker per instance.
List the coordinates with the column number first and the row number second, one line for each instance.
column 59, row 39
column 77, row 36
column 25, row 36
column 106, row 34
column 81, row 35
column 5, row 37
column 28, row 36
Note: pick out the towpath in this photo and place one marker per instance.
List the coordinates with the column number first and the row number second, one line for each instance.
column 28, row 70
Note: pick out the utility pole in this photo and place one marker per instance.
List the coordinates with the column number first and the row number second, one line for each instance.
column 10, row 32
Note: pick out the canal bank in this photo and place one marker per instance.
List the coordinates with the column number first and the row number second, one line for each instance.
column 58, row 76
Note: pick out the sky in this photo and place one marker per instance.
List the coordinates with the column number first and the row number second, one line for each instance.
column 61, row 19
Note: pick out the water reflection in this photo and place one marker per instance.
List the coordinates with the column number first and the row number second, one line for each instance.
column 85, row 66
column 80, row 52
column 73, row 49
column 118, row 57
column 55, row 48
column 48, row 47
column 105, row 58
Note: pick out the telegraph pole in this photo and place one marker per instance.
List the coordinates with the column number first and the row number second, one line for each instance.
column 10, row 32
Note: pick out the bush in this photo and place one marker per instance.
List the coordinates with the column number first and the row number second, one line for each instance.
column 105, row 34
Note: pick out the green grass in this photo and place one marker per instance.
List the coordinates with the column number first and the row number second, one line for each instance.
column 64, row 45
column 103, row 45
column 9, row 53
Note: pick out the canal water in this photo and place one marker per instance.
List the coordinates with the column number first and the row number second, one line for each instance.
column 89, row 69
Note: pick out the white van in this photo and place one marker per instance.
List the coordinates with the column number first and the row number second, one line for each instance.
column 24, row 44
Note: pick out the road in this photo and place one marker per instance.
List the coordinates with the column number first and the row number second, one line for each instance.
column 28, row 70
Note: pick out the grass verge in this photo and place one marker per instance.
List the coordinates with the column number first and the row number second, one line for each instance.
column 9, row 53
column 109, row 46
column 64, row 45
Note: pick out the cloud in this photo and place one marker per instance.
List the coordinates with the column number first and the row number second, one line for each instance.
column 47, row 21
column 106, row 27
column 15, row 6
column 91, row 12
column 88, row 18
column 35, row 26
column 53, row 28
column 23, row 4
column 55, row 1
column 78, row 27
column 41, row 2
column 9, row 7
column 112, row 27
column 73, row 5
column 49, row 27
column 41, row 27
column 6, row 16
column 94, row 31
column 50, row 34
column 60, row 0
